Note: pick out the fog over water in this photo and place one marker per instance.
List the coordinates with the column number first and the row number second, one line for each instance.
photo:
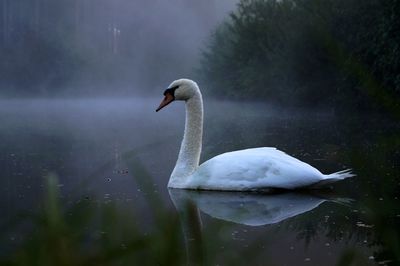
column 85, row 159
column 101, row 47
column 120, row 153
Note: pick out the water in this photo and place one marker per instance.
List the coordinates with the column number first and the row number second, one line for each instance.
column 84, row 183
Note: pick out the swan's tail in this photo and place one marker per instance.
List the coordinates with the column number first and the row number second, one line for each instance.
column 339, row 175
column 343, row 201
column 332, row 178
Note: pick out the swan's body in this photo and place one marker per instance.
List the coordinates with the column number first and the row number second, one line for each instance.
column 250, row 169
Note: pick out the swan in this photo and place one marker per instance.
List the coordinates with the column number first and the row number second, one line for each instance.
column 255, row 169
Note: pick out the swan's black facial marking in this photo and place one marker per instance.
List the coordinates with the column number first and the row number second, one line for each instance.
column 171, row 90
column 169, row 97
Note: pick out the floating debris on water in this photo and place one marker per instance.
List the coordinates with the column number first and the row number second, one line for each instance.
column 384, row 262
column 122, row 172
column 361, row 224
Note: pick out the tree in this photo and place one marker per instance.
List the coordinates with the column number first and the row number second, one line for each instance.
column 308, row 53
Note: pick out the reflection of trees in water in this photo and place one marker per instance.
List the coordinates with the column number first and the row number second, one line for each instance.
column 25, row 158
column 336, row 222
column 378, row 162
column 374, row 216
column 368, row 144
column 91, row 231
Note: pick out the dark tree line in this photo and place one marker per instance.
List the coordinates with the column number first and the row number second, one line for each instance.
column 332, row 53
column 42, row 44
column 50, row 47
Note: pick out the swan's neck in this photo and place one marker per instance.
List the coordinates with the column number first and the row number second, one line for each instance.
column 189, row 154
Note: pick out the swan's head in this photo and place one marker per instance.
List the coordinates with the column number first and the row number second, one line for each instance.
column 181, row 90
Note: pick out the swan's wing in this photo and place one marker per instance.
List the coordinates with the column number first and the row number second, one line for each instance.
column 252, row 169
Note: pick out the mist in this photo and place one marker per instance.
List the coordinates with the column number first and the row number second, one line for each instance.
column 100, row 47
column 85, row 160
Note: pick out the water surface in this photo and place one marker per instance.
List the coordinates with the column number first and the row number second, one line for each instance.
column 88, row 178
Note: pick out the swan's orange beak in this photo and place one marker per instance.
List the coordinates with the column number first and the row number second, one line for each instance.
column 167, row 100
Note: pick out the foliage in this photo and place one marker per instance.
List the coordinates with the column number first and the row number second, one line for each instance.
column 309, row 53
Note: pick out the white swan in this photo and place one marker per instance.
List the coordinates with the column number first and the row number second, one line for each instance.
column 244, row 170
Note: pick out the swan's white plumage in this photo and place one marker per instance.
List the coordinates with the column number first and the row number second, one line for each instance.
column 253, row 169
column 250, row 169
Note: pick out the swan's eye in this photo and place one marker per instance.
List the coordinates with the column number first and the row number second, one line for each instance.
column 171, row 90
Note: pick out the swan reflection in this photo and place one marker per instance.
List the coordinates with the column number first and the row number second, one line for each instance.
column 251, row 209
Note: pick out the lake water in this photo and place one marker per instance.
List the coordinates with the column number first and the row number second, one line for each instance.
column 84, row 182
